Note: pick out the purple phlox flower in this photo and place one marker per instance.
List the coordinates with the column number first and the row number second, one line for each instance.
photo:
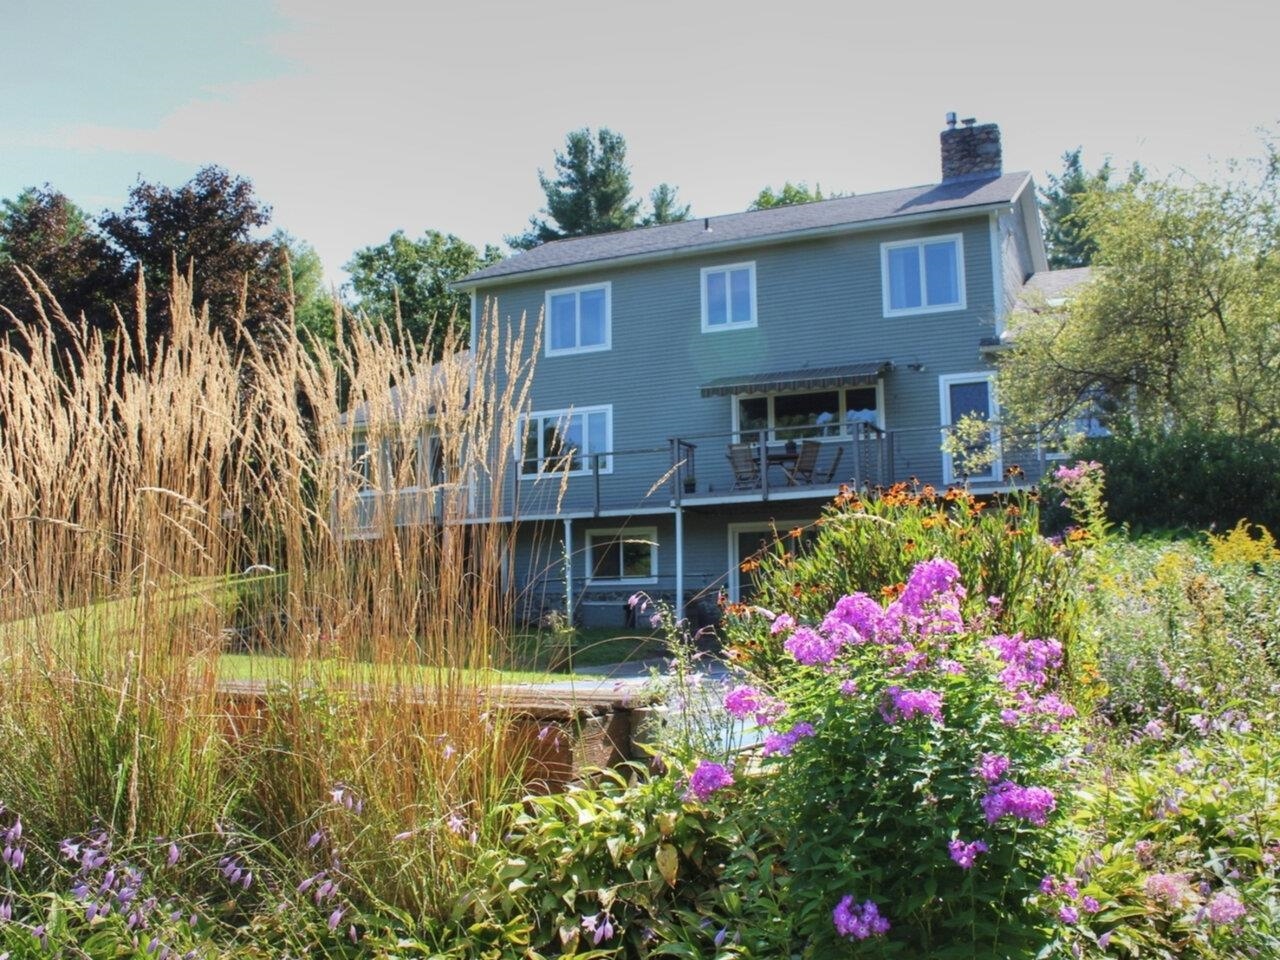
column 992, row 767
column 856, row 618
column 1006, row 798
column 599, row 926
column 1070, row 889
column 848, row 687
column 1048, row 885
column 1091, row 904
column 1172, row 888
column 903, row 704
column 782, row 622
column 781, row 744
column 929, row 581
column 743, row 702
column 1028, row 660
column 812, row 648
column 1225, row 907
column 953, row 667
column 1068, row 914
column 858, row 922
column 706, row 779
column 965, row 854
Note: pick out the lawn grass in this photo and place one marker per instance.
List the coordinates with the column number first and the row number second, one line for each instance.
column 586, row 648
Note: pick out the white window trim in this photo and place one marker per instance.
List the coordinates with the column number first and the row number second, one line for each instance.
column 606, row 466
column 707, row 326
column 843, row 434
column 944, row 405
column 647, row 535
column 607, row 287
column 958, row 238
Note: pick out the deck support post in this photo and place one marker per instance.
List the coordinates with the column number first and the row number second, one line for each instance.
column 679, row 604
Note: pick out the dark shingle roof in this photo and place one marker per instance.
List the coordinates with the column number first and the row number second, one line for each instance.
column 692, row 235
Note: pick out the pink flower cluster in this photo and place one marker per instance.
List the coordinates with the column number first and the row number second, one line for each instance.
column 746, row 701
column 1006, row 798
column 965, row 854
column 1225, row 908
column 992, row 767
column 783, row 743
column 1028, row 661
column 706, row 780
column 907, row 704
column 811, row 648
column 858, row 922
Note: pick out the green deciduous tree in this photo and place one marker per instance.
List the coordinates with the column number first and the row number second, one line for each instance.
column 209, row 226
column 43, row 232
column 1066, row 231
column 590, row 193
column 413, row 277
column 1180, row 327
column 789, row 194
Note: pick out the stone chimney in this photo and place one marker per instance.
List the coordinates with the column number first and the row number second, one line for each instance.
column 970, row 151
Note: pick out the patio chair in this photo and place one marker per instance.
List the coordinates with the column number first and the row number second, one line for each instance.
column 835, row 465
column 806, row 463
column 746, row 469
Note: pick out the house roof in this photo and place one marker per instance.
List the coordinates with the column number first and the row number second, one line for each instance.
column 780, row 223
column 1051, row 287
column 811, row 378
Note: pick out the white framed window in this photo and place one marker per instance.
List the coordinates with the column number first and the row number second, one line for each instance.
column 728, row 297
column 566, row 441
column 398, row 462
column 578, row 319
column 810, row 414
column 622, row 556
column 923, row 276
column 971, row 395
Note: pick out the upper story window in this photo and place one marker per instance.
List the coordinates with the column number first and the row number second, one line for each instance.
column 566, row 441
column 729, row 297
column 923, row 276
column 578, row 319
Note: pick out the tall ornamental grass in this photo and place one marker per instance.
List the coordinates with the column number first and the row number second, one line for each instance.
column 140, row 477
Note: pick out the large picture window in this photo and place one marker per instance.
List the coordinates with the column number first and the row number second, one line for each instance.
column 729, row 297
column 578, row 319
column 567, row 441
column 623, row 556
column 923, row 276
column 816, row 414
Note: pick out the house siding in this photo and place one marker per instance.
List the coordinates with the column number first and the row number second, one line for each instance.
column 818, row 303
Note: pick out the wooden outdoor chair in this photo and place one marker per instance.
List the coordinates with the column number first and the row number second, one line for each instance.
column 835, row 465
column 806, row 463
column 746, row 469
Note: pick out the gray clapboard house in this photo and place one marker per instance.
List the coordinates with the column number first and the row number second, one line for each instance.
column 701, row 384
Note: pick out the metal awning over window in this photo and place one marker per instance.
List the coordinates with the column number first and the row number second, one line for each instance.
column 812, row 378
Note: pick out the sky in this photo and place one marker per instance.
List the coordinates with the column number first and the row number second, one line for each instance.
column 354, row 120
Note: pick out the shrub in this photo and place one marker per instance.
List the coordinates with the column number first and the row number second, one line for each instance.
column 1190, row 480
column 1181, row 852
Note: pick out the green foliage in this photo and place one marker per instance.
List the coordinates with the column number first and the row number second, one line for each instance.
column 313, row 307
column 406, row 282
column 871, row 545
column 591, row 192
column 1176, row 331
column 1164, row 836
column 1067, row 232
column 1189, row 479
column 1181, row 635
column 665, row 206
column 790, row 193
